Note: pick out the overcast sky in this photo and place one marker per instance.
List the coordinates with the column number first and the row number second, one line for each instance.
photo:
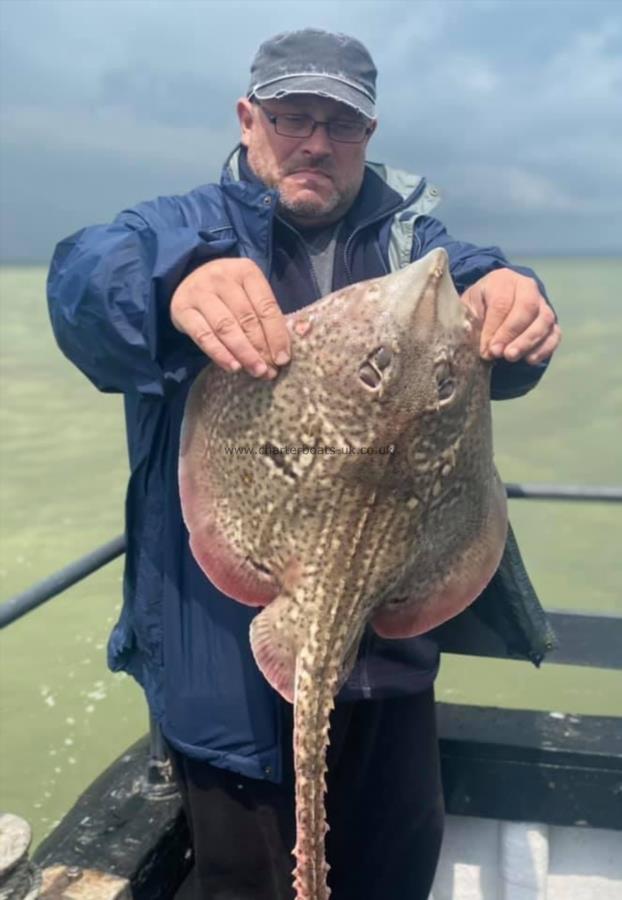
column 514, row 109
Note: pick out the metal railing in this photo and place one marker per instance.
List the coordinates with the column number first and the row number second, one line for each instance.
column 586, row 639
column 42, row 591
column 39, row 593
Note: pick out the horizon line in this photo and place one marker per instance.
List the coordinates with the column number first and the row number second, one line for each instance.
column 535, row 254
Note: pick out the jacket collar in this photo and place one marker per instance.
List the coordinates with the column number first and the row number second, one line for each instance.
column 374, row 201
column 239, row 182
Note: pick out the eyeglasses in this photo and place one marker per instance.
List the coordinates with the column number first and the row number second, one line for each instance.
column 300, row 125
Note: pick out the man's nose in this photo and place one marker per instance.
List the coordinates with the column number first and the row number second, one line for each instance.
column 318, row 142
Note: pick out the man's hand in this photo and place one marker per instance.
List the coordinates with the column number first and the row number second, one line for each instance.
column 228, row 309
column 517, row 321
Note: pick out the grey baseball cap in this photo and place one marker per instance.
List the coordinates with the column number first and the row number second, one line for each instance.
column 314, row 61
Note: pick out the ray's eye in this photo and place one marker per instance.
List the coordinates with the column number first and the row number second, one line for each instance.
column 369, row 375
column 382, row 358
column 372, row 370
column 445, row 382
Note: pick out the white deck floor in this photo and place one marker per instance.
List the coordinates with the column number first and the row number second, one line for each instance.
column 483, row 859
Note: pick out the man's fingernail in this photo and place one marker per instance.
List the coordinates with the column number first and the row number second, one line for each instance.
column 512, row 353
column 281, row 358
column 496, row 349
column 260, row 369
column 234, row 365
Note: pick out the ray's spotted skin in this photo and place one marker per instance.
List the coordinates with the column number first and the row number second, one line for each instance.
column 389, row 509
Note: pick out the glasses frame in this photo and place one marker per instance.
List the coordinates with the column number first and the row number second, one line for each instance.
column 273, row 118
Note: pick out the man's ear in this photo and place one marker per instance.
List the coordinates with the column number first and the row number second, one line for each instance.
column 372, row 127
column 244, row 109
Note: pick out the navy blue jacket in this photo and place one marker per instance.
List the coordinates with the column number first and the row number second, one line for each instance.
column 109, row 292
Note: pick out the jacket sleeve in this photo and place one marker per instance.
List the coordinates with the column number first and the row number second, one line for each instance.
column 109, row 292
column 469, row 263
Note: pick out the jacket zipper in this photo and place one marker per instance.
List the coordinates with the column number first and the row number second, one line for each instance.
column 390, row 212
column 306, row 253
column 365, row 679
column 271, row 197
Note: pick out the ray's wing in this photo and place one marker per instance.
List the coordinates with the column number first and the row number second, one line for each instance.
column 213, row 511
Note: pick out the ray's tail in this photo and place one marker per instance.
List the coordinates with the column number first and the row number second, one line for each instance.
column 317, row 677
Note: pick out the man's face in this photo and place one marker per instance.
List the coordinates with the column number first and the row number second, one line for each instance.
column 317, row 178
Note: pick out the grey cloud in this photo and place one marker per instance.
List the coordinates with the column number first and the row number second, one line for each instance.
column 509, row 106
column 180, row 98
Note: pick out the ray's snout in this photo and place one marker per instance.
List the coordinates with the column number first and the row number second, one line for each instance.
column 423, row 294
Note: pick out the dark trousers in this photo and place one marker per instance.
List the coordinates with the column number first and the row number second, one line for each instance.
column 384, row 805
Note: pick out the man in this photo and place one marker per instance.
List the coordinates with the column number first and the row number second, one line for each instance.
column 140, row 306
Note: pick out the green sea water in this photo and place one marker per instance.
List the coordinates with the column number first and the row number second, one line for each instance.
column 62, row 479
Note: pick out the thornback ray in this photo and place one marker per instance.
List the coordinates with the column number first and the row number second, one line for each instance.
column 357, row 487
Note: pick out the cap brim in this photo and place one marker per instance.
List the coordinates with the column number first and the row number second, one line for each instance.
column 321, row 87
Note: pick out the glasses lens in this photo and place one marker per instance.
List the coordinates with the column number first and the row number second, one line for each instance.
column 299, row 126
column 346, row 132
column 294, row 126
